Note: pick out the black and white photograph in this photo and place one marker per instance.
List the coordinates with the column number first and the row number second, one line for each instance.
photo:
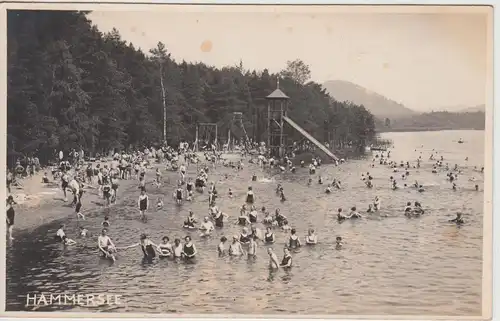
column 248, row 160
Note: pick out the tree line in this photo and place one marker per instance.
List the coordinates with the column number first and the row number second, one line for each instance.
column 436, row 120
column 72, row 86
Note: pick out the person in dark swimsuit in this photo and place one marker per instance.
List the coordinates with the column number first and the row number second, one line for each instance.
column 189, row 250
column 294, row 240
column 245, row 236
column 10, row 215
column 219, row 219
column 252, row 216
column 90, row 173
column 269, row 236
column 78, row 210
column 279, row 218
column 189, row 186
column 190, row 220
column 458, row 220
column 147, row 247
column 287, row 259
column 250, row 197
column 178, row 195
column 114, row 187
column 64, row 184
column 106, row 193
column 143, row 203
column 106, row 222
column 341, row 217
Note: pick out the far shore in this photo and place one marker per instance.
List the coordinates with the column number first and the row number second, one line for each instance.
column 420, row 129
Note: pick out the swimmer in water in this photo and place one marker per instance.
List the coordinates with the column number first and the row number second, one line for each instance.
column 235, row 249
column 370, row 209
column 219, row 218
column 106, row 222
column 458, row 220
column 190, row 220
column 61, row 236
column 273, row 259
column 269, row 236
column 78, row 208
column 282, row 196
column 221, row 249
column 252, row 247
column 376, row 204
column 320, row 180
column 143, row 204
column 338, row 243
column 311, row 238
column 230, row 193
column 84, row 232
column 294, row 240
column 165, row 249
column 206, row 227
column 408, row 210
column 421, row 189
column 250, row 196
column 341, row 217
column 147, row 247
column 309, row 181
column 177, row 249
column 252, row 216
column 287, row 259
column 244, row 236
column 159, row 204
column 105, row 245
column 418, row 210
column 243, row 218
column 178, row 195
column 354, row 214
column 285, row 227
column 328, row 189
column 189, row 196
column 454, row 187
column 189, row 250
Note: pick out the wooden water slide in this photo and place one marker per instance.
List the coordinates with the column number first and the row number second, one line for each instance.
column 311, row 139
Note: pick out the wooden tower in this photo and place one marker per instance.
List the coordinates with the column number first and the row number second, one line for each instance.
column 276, row 109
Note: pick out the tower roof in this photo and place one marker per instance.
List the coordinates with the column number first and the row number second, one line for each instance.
column 277, row 94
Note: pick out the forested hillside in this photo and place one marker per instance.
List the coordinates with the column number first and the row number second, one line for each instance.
column 441, row 120
column 71, row 86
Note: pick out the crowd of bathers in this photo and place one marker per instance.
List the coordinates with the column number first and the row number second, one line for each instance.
column 78, row 177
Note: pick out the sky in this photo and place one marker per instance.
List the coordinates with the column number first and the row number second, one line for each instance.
column 426, row 58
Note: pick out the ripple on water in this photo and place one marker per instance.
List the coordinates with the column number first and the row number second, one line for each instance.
column 389, row 265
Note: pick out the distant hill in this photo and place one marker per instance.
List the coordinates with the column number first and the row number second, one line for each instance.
column 377, row 104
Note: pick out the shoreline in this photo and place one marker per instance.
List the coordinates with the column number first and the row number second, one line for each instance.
column 412, row 130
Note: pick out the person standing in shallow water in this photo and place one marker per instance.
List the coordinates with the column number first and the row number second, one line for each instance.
column 189, row 250
column 273, row 259
column 143, row 204
column 11, row 213
column 250, row 196
column 287, row 259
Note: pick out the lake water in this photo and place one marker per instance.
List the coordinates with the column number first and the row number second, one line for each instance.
column 389, row 265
